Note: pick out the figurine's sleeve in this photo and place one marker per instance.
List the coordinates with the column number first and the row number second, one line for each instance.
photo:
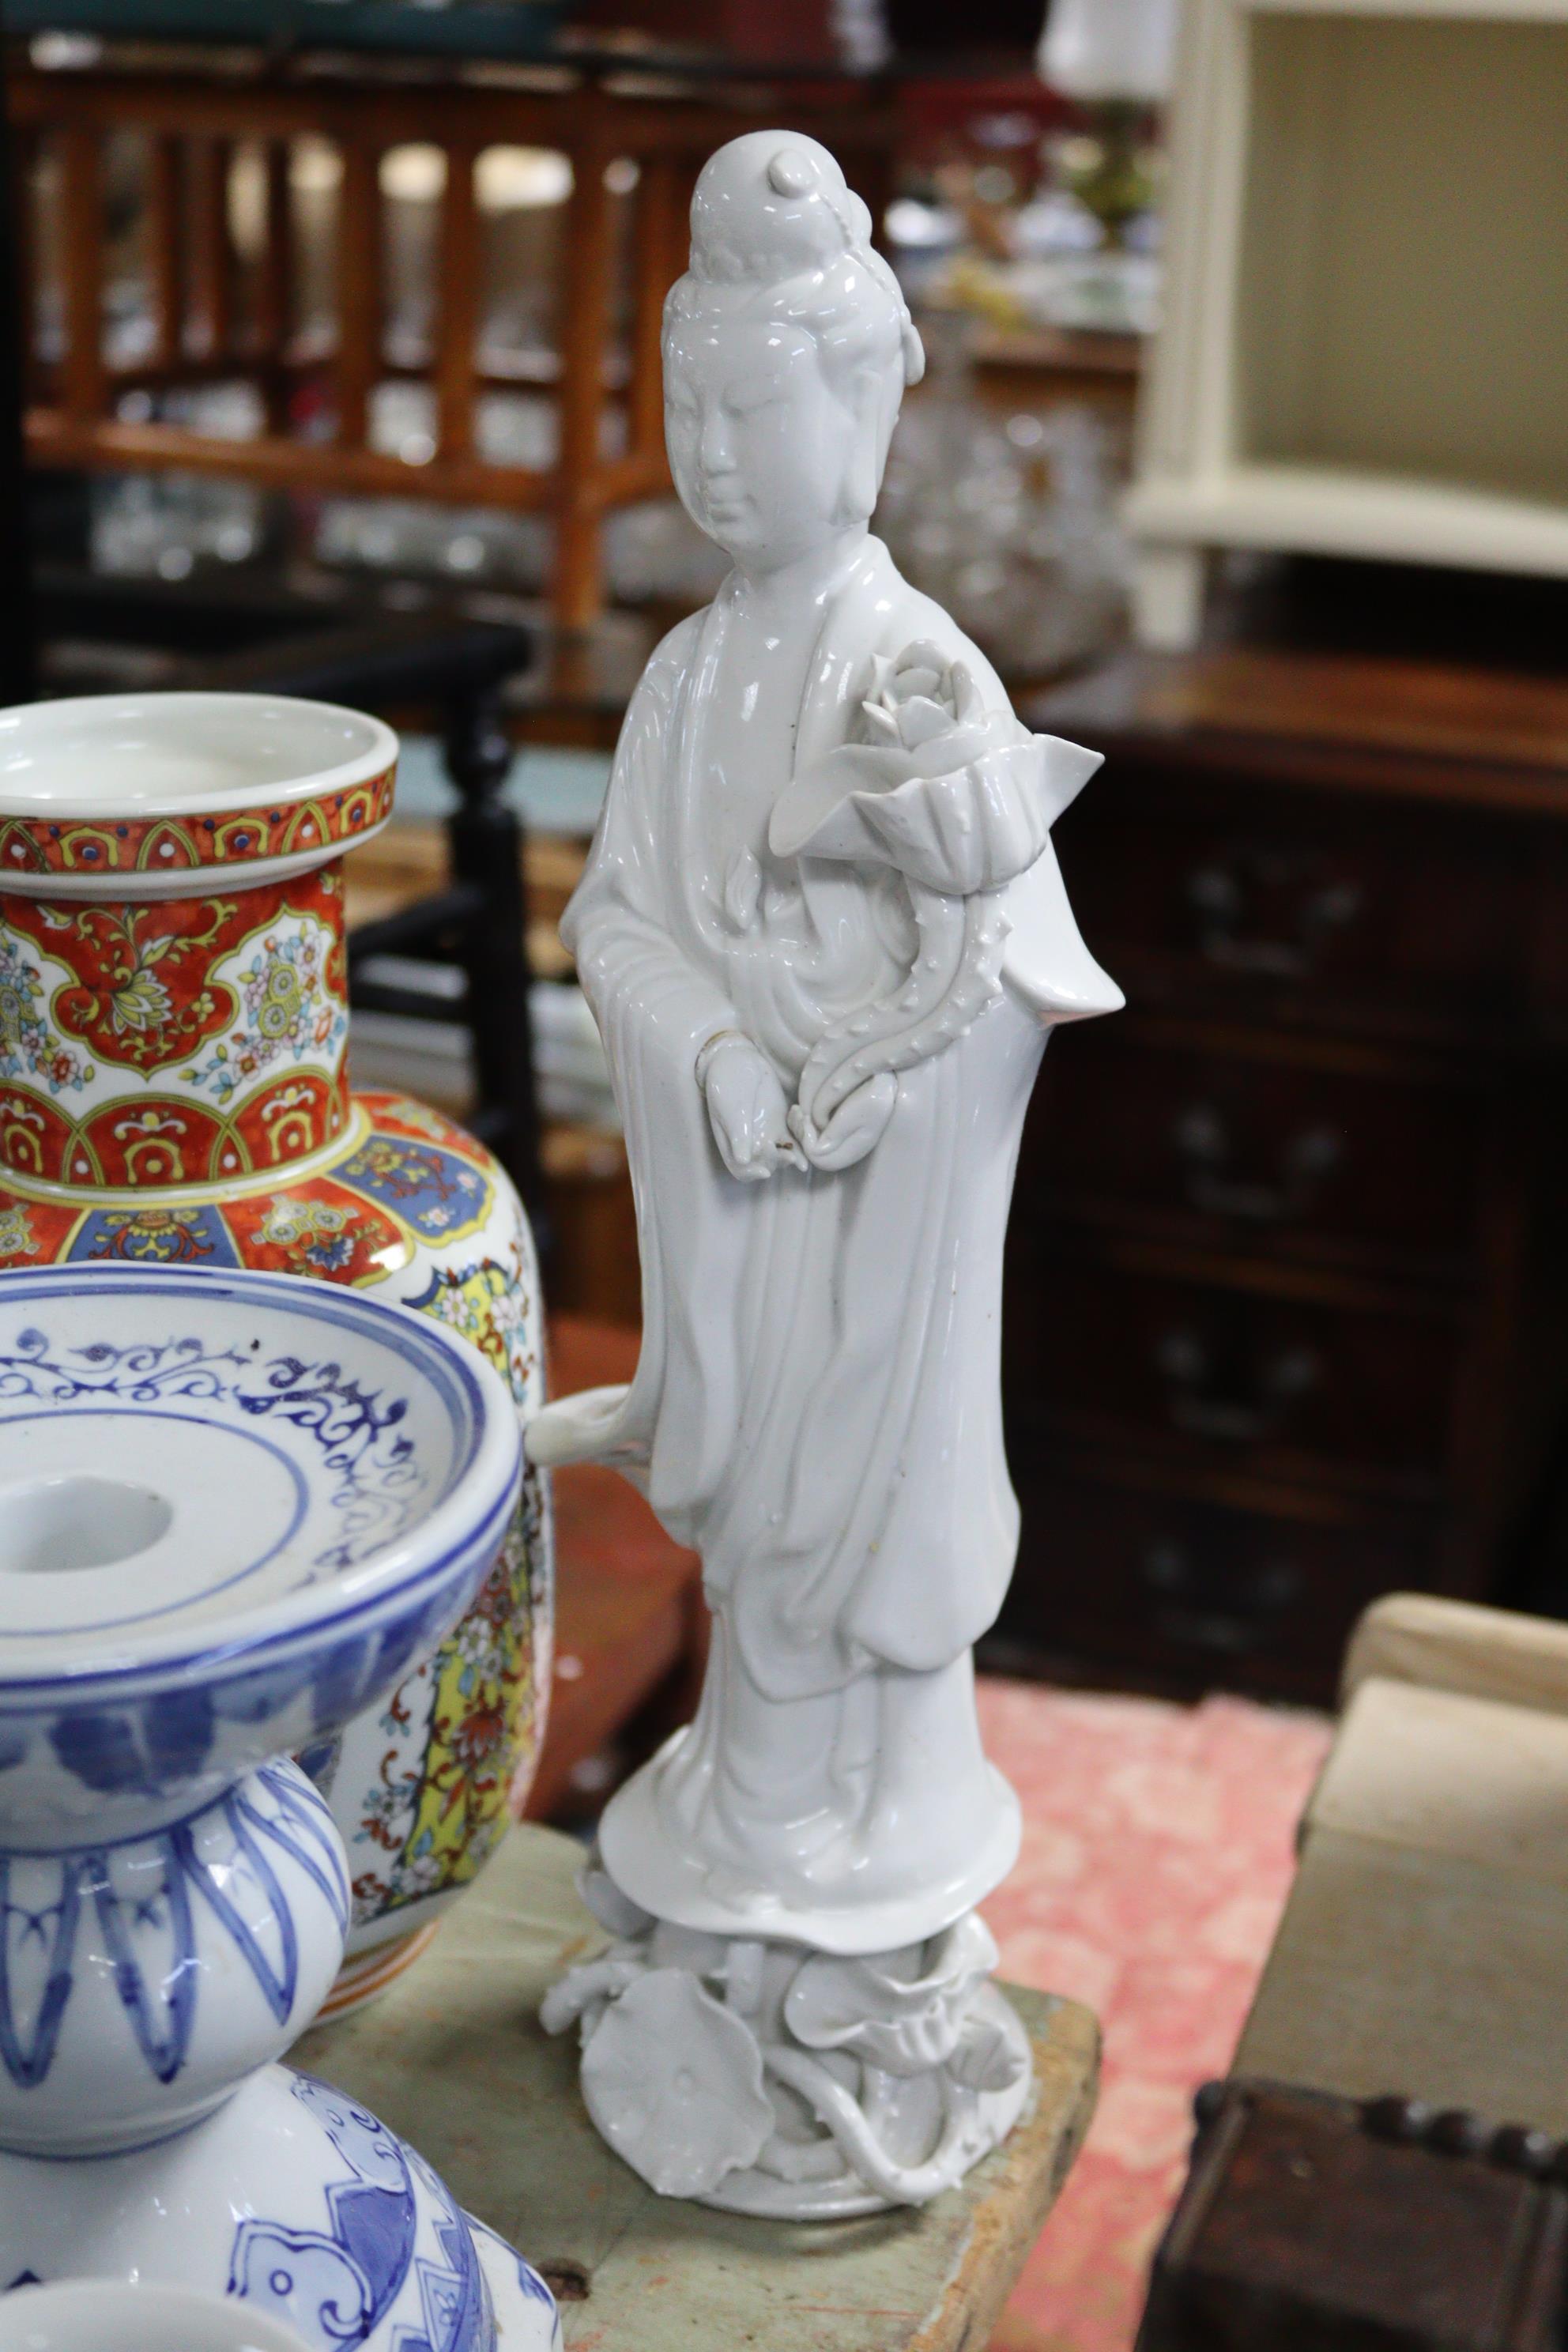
column 620, row 926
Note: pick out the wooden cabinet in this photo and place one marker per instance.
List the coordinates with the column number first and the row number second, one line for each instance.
column 1285, row 1319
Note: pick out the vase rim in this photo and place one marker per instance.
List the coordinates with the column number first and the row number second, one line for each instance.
column 368, row 1338
column 225, row 752
column 135, row 796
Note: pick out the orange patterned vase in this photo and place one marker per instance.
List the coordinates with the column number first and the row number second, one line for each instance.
column 173, row 1091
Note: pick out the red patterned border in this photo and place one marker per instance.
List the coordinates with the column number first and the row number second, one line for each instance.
column 153, row 1140
column 160, row 846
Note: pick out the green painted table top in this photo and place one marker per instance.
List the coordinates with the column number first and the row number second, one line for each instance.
column 452, row 2056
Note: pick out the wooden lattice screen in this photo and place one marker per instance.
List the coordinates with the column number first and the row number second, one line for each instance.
column 207, row 319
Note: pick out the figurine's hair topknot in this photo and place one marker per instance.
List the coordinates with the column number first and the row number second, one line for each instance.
column 777, row 232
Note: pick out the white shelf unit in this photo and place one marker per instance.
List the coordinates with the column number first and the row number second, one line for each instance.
column 1364, row 349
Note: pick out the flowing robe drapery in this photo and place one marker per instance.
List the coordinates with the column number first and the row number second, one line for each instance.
column 816, row 1405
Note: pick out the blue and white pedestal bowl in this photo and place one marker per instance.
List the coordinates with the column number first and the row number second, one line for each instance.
column 232, row 1509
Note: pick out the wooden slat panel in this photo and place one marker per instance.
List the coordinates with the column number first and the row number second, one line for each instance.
column 84, row 381
column 165, row 251
column 657, row 262
column 275, row 284
column 584, row 332
column 54, row 439
column 458, row 322
column 24, row 156
column 211, row 255
column 194, row 106
column 359, row 292
column 618, row 480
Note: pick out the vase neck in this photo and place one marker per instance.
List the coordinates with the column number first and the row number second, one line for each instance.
column 172, row 1043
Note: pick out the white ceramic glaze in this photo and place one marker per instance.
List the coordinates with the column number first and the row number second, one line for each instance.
column 91, row 2315
column 314, row 1485
column 826, row 938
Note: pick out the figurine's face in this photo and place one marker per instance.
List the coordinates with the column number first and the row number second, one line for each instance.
column 769, row 459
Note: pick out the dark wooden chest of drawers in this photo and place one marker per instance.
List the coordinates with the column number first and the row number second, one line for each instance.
column 1285, row 1303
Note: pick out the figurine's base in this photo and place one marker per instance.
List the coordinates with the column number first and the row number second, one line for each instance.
column 765, row 2077
column 650, row 1862
column 845, row 2196
column 296, row 2200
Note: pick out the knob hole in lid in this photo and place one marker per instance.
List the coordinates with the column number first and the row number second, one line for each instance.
column 59, row 1526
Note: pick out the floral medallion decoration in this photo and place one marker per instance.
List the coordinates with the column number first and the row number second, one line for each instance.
column 458, row 1730
column 18, row 1240
column 288, row 1012
column 440, row 1196
column 486, row 1302
column 441, row 1802
column 235, row 1008
column 148, row 1237
column 29, row 1047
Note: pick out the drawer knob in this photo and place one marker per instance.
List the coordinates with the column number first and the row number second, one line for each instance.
column 1208, row 1608
column 1258, row 1406
column 1206, row 1148
column 1227, row 894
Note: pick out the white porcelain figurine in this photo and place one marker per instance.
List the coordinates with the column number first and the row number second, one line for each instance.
column 826, row 938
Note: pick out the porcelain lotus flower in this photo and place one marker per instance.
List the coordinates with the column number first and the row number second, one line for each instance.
column 674, row 2082
column 903, row 2021
column 917, row 695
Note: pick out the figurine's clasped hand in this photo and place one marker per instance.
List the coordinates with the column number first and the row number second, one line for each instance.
column 746, row 1107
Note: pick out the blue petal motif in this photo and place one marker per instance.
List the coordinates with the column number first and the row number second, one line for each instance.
column 27, row 2056
column 459, row 2314
column 151, row 1940
column 168, row 1992
column 374, row 2221
column 305, row 1830
column 278, row 1985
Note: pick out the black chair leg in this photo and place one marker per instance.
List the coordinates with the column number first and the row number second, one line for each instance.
column 486, row 839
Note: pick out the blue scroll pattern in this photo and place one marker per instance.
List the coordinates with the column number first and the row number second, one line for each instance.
column 380, row 1485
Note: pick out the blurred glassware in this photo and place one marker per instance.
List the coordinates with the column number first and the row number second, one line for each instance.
column 166, row 526
column 1010, row 522
column 1114, row 58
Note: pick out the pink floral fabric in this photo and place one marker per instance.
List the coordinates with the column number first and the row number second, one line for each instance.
column 1157, row 1855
